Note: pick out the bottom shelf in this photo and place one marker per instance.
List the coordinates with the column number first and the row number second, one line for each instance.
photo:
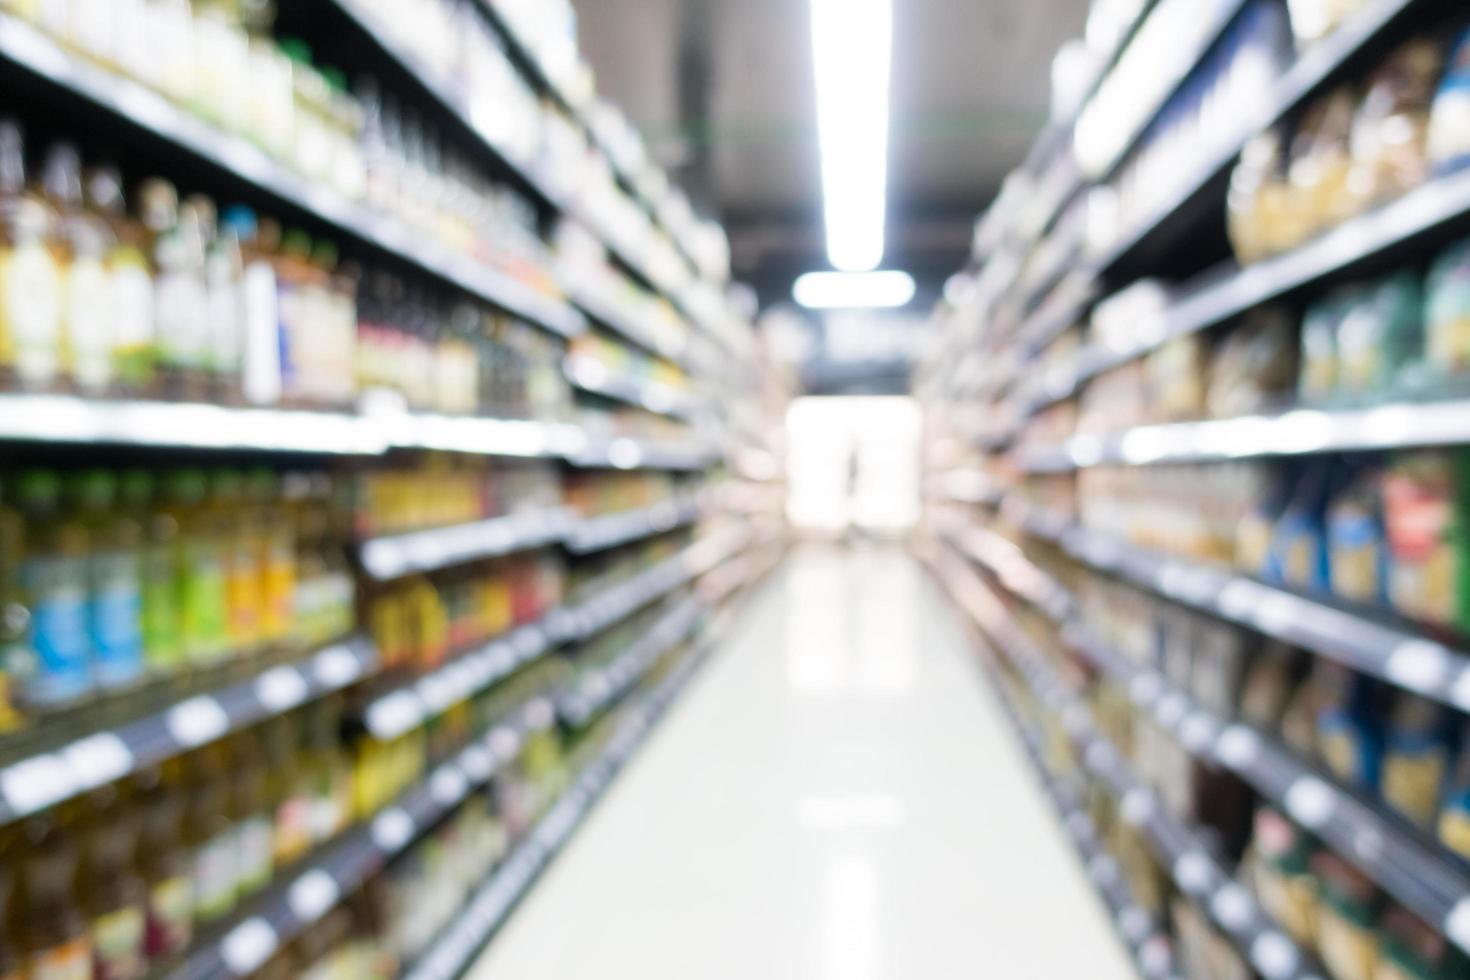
column 490, row 906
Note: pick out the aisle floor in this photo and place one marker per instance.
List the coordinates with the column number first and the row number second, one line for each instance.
column 838, row 796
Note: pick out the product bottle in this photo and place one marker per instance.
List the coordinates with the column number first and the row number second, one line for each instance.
column 224, row 272
column 114, row 895
column 54, row 940
column 115, row 579
column 171, row 27
column 30, row 275
column 54, row 582
column 298, row 283
column 199, row 579
column 276, row 557
column 260, row 314
column 239, row 545
column 129, row 302
column 181, row 296
column 251, row 813
column 326, row 769
column 164, row 862
column 86, row 339
column 162, row 643
column 287, row 789
column 14, row 615
column 209, row 836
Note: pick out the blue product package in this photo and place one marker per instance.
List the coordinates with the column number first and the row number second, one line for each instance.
column 1449, row 119
column 1357, row 545
column 1299, row 539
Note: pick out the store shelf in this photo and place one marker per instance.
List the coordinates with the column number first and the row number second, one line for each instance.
column 1149, row 944
column 288, row 909
column 1126, row 138
column 44, row 779
column 600, row 533
column 1317, row 66
column 1421, row 874
column 625, row 324
column 156, row 118
column 1359, row 640
column 1397, row 425
column 394, row 556
column 595, row 377
column 1180, row 848
column 1396, row 227
column 396, row 712
column 633, row 454
column 598, row 688
column 476, row 435
column 615, row 603
column 490, row 907
column 67, row 419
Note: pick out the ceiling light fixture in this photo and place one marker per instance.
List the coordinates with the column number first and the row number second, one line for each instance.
column 852, row 52
column 854, row 290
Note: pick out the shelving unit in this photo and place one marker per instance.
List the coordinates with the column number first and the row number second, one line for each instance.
column 477, row 668
column 1021, row 436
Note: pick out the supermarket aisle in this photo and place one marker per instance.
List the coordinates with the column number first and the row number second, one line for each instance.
column 837, row 797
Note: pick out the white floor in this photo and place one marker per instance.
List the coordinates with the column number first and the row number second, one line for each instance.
column 836, row 797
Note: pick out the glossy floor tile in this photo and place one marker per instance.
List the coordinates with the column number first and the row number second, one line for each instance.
column 837, row 797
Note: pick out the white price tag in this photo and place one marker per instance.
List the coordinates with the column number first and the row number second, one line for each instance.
column 1457, row 924
column 337, row 667
column 248, row 945
column 311, row 895
column 1274, row 955
column 392, row 829
column 1193, row 872
column 196, row 721
column 281, row 689
column 1232, row 907
column 1310, row 802
column 505, row 743
column 35, row 783
column 1238, row 747
column 98, row 759
column 448, row 786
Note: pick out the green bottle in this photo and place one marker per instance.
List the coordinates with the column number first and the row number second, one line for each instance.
column 162, row 645
column 199, row 578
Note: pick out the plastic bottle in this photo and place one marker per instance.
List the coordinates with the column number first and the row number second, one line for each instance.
column 115, row 579
column 30, row 275
column 199, row 579
column 287, row 789
column 163, row 650
column 129, row 291
column 14, row 615
column 209, row 836
column 239, row 544
column 276, row 556
column 114, row 894
column 163, row 861
column 251, row 813
column 260, row 314
column 224, row 272
column 181, row 295
column 86, row 340
column 54, row 580
column 54, row 939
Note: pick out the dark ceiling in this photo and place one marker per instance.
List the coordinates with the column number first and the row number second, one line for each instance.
column 723, row 91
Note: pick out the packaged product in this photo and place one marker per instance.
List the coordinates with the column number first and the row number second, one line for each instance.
column 1176, row 643
column 1261, row 218
column 1346, row 912
column 1449, row 119
column 1416, row 757
column 1381, row 334
column 1348, row 741
column 1454, row 817
column 1175, row 374
column 1255, row 365
column 1253, row 537
column 1447, row 312
column 1423, row 513
column 1319, row 359
column 1204, row 952
column 1299, row 539
column 1219, row 665
column 1357, row 548
column 1320, row 162
column 1389, row 132
column 1278, row 861
column 1268, row 684
column 1414, row 950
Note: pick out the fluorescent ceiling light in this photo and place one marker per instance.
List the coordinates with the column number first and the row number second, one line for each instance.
column 852, row 52
column 854, row 290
